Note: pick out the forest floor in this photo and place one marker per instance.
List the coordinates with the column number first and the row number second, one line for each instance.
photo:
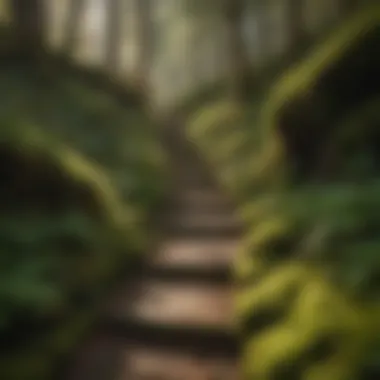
column 174, row 320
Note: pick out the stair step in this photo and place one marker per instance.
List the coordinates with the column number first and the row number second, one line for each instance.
column 175, row 321
column 175, row 305
column 203, row 198
column 194, row 181
column 192, row 175
column 176, row 365
column 224, row 341
column 222, row 274
column 204, row 224
column 193, row 259
column 195, row 254
column 102, row 358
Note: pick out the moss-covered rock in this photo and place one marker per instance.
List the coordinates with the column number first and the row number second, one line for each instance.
column 309, row 300
column 301, row 326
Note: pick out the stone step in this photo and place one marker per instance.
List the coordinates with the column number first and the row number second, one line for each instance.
column 222, row 274
column 194, row 255
column 196, row 224
column 190, row 171
column 153, row 363
column 202, row 198
column 195, row 180
column 104, row 358
column 177, row 306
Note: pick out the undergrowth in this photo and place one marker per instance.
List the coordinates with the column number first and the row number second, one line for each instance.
column 80, row 174
column 303, row 164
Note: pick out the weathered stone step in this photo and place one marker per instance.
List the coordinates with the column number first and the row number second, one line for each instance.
column 196, row 180
column 194, row 254
column 190, row 172
column 220, row 275
column 210, row 339
column 204, row 224
column 203, row 195
column 155, row 363
column 204, row 259
column 202, row 198
column 175, row 305
column 104, row 358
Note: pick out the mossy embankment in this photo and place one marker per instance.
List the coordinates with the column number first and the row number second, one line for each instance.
column 303, row 163
column 80, row 174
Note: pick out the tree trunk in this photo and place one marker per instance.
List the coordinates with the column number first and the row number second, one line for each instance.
column 296, row 26
column 29, row 24
column 237, row 54
column 349, row 6
column 73, row 19
column 145, row 36
column 114, row 33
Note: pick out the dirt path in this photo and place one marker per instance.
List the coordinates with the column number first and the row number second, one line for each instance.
column 175, row 318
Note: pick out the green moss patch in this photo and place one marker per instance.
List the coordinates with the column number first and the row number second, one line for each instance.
column 309, row 273
column 225, row 134
column 318, row 333
column 317, row 288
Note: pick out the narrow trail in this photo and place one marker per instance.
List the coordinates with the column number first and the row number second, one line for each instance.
column 175, row 318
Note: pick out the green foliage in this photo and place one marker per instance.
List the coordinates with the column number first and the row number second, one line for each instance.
column 303, row 163
column 309, row 101
column 223, row 132
column 119, row 138
column 309, row 269
column 75, row 194
column 309, row 273
column 40, row 236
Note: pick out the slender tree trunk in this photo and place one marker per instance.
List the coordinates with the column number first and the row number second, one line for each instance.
column 114, row 33
column 349, row 6
column 145, row 36
column 73, row 19
column 296, row 25
column 29, row 24
column 237, row 53
column 264, row 32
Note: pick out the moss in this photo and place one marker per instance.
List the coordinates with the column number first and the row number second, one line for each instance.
column 316, row 311
column 315, row 290
column 224, row 134
column 247, row 269
column 214, row 119
column 270, row 290
column 255, row 209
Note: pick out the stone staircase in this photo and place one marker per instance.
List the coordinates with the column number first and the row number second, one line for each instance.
column 174, row 320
